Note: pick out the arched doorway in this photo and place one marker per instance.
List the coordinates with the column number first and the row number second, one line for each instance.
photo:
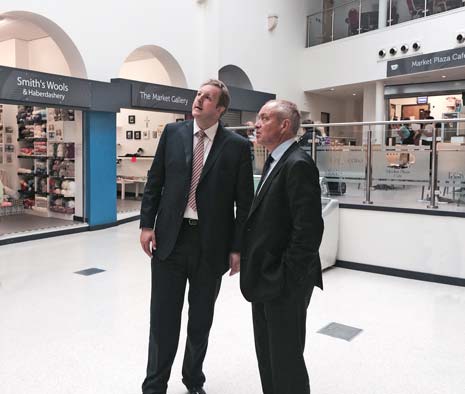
column 233, row 75
column 34, row 42
column 41, row 145
column 138, row 131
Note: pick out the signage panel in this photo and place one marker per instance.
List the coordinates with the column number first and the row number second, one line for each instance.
column 161, row 97
column 35, row 87
column 433, row 61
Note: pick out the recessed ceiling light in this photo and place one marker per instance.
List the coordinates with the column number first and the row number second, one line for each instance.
column 332, row 89
column 354, row 94
column 444, row 76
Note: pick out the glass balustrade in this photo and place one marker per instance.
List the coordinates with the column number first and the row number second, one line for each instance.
column 340, row 20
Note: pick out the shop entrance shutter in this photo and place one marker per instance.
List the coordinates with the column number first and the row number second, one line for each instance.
column 231, row 118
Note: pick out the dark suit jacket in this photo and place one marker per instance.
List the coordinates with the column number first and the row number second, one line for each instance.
column 283, row 230
column 226, row 180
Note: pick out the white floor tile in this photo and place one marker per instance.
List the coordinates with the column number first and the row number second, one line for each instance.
column 66, row 333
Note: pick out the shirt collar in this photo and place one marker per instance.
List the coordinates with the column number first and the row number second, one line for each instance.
column 281, row 149
column 210, row 132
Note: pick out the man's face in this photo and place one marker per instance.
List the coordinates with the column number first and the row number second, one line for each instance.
column 269, row 129
column 205, row 107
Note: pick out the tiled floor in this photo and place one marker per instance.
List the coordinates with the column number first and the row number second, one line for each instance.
column 63, row 333
column 127, row 205
column 21, row 224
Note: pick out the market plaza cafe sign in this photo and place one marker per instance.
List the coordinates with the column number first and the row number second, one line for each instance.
column 29, row 86
column 434, row 61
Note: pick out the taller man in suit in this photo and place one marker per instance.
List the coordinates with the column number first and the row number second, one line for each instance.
column 200, row 171
column 280, row 263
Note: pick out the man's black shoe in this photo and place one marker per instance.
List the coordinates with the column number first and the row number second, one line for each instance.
column 197, row 390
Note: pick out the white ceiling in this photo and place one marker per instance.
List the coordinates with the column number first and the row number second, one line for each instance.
column 346, row 92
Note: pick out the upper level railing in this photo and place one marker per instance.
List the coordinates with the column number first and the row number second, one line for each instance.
column 402, row 172
column 357, row 17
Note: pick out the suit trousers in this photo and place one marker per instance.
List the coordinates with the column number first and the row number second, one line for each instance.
column 279, row 331
column 169, row 278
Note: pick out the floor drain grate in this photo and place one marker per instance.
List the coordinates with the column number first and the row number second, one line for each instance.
column 89, row 271
column 340, row 331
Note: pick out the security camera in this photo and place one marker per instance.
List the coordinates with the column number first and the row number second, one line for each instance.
column 393, row 51
column 382, row 53
column 404, row 48
column 416, row 46
column 460, row 38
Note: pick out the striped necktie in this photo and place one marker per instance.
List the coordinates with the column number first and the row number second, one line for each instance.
column 197, row 165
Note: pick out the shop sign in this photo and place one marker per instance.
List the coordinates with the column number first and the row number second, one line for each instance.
column 162, row 97
column 433, row 61
column 30, row 86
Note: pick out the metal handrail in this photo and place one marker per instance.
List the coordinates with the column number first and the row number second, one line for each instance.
column 369, row 149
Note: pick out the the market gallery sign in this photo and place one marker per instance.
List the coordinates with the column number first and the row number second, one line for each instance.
column 30, row 86
column 161, row 97
column 433, row 61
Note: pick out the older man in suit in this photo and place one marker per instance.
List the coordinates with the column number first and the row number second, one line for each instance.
column 191, row 231
column 280, row 264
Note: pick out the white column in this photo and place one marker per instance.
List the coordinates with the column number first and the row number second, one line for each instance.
column 369, row 100
column 380, row 113
column 374, row 110
column 383, row 13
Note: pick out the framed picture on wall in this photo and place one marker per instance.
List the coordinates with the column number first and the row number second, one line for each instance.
column 145, row 135
column 131, row 119
column 154, row 134
column 137, row 135
column 129, row 134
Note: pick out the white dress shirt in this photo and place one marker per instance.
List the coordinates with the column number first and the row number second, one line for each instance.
column 277, row 153
column 207, row 145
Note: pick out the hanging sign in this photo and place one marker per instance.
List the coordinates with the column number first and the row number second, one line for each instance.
column 30, row 86
column 433, row 61
column 162, row 97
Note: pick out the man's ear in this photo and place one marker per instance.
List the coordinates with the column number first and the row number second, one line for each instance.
column 222, row 109
column 286, row 124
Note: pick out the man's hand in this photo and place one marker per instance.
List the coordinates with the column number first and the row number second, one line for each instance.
column 147, row 241
column 234, row 263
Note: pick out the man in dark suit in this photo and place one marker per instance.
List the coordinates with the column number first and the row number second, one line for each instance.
column 188, row 223
column 280, row 263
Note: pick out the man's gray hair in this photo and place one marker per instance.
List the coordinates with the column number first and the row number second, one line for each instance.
column 287, row 110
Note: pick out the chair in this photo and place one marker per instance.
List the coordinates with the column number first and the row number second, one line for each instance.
column 414, row 11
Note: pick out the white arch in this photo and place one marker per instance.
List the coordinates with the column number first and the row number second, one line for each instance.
column 59, row 36
column 234, row 76
column 166, row 59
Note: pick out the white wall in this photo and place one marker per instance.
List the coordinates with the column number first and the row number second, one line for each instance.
column 39, row 55
column 148, row 70
column 355, row 59
column 45, row 56
column 344, row 110
column 421, row 243
column 8, row 53
column 205, row 37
